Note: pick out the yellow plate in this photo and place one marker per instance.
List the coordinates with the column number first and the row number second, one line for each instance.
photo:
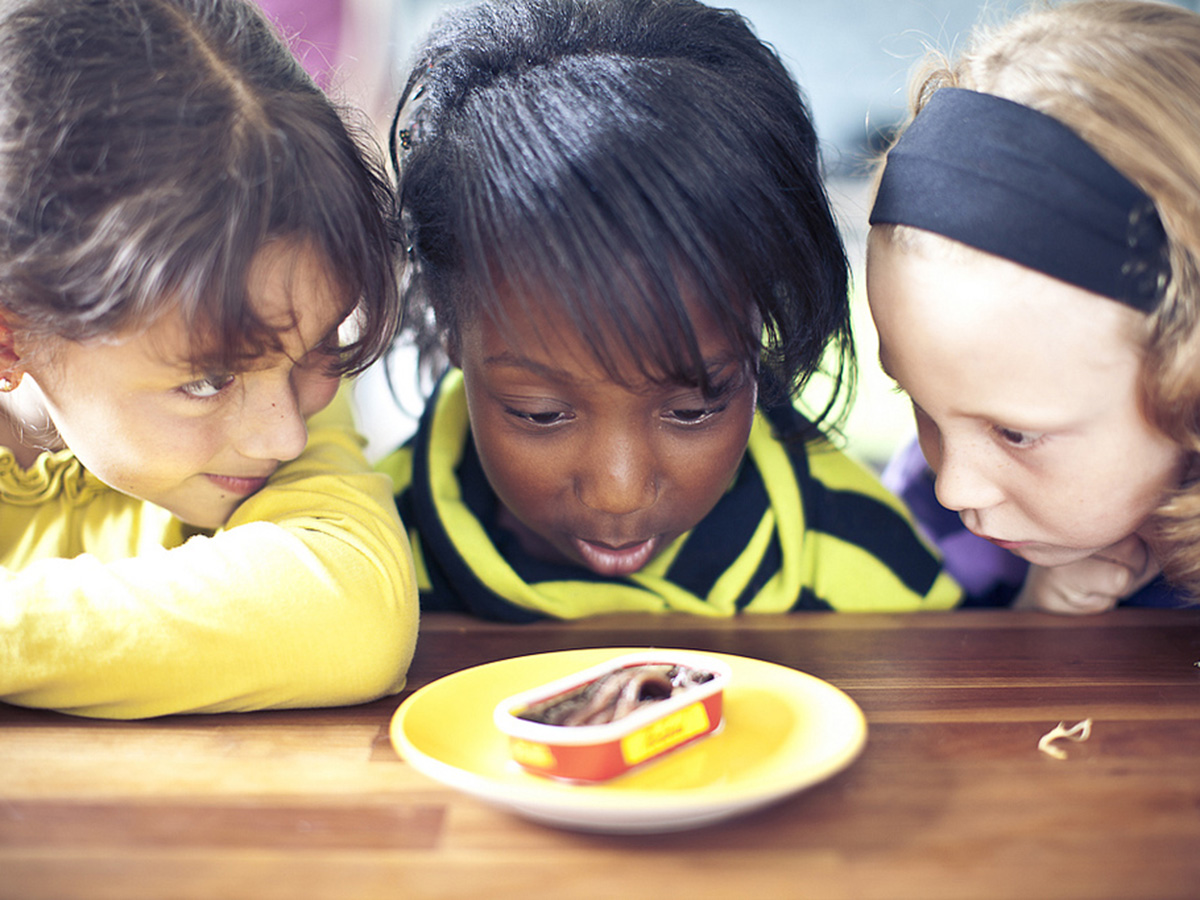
column 784, row 731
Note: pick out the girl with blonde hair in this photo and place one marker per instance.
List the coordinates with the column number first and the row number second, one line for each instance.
column 1034, row 273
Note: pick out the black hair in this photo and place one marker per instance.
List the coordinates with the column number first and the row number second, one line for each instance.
column 625, row 157
column 150, row 148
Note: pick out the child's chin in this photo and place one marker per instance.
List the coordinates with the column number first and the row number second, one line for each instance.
column 1049, row 556
column 208, row 519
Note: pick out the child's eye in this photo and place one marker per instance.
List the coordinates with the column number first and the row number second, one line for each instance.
column 543, row 419
column 331, row 346
column 696, row 415
column 1015, row 438
column 203, row 388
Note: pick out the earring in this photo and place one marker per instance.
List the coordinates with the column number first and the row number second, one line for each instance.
column 8, row 384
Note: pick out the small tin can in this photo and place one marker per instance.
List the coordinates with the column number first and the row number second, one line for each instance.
column 597, row 752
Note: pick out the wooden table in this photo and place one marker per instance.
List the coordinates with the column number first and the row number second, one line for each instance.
column 950, row 799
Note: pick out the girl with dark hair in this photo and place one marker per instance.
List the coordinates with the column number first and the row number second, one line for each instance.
column 193, row 250
column 618, row 235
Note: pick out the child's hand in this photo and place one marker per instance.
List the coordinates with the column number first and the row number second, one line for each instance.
column 1091, row 585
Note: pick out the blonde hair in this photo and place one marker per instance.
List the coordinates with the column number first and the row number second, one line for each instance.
column 1125, row 76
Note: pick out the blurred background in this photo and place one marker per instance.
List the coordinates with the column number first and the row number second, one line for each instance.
column 852, row 58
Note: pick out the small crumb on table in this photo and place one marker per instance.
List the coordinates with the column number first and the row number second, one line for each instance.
column 1078, row 732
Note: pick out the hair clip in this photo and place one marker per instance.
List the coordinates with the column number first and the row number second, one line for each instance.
column 1147, row 269
column 408, row 124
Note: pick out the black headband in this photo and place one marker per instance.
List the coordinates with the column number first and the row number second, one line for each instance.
column 1016, row 183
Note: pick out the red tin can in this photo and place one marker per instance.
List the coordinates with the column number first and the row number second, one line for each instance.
column 597, row 752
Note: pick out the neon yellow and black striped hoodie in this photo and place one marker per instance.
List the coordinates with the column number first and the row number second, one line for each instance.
column 803, row 527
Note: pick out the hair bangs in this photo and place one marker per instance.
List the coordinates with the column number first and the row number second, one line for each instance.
column 559, row 206
column 329, row 194
column 635, row 168
column 297, row 179
column 206, row 142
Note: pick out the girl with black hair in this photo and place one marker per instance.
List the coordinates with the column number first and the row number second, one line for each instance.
column 619, row 239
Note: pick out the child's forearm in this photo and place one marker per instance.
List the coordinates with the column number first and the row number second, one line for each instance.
column 257, row 617
column 307, row 598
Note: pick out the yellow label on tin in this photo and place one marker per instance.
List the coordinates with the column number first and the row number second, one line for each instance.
column 528, row 753
column 665, row 733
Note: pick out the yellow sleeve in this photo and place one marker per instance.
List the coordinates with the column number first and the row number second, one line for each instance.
column 305, row 598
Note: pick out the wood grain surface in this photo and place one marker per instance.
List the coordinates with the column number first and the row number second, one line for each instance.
column 950, row 799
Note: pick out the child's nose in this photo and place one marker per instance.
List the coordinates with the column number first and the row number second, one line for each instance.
column 965, row 479
column 618, row 475
column 273, row 425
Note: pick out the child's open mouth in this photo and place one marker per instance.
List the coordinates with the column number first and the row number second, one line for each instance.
column 604, row 559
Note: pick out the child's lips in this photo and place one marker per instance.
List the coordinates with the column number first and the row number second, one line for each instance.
column 625, row 559
column 1003, row 544
column 239, row 486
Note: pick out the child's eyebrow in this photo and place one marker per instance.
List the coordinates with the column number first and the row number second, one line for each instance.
column 714, row 366
column 510, row 360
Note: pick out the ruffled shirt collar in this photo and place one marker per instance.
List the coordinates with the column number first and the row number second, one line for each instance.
column 52, row 475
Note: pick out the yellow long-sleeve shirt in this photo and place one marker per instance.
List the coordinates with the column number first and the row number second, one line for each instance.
column 108, row 607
